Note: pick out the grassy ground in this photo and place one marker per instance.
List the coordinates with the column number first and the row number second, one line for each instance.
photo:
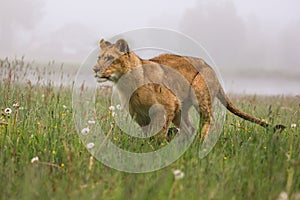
column 247, row 162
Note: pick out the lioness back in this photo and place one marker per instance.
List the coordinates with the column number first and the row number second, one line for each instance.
column 189, row 68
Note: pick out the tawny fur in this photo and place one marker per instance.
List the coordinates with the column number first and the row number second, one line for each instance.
column 116, row 60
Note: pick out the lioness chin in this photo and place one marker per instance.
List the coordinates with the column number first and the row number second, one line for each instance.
column 116, row 60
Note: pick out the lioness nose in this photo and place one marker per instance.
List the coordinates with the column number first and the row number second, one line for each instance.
column 96, row 69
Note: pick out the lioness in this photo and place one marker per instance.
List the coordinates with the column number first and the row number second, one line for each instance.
column 116, row 60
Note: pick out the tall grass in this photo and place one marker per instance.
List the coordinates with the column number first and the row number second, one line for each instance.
column 248, row 162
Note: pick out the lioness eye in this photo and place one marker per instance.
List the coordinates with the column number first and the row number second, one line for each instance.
column 109, row 58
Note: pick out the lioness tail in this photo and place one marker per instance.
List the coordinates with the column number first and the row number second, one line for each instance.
column 227, row 103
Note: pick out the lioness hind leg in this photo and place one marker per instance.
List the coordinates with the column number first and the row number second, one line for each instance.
column 207, row 123
column 204, row 105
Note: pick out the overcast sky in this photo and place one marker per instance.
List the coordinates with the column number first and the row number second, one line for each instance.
column 236, row 33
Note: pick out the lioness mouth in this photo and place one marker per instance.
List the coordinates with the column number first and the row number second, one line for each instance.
column 101, row 78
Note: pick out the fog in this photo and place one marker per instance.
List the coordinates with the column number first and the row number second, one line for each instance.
column 241, row 36
column 235, row 33
column 244, row 41
column 17, row 18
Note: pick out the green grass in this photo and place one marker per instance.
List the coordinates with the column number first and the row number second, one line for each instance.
column 247, row 162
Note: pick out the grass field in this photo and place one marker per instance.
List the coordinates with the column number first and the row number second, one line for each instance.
column 42, row 156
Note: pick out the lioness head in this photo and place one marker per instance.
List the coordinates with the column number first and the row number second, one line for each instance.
column 111, row 63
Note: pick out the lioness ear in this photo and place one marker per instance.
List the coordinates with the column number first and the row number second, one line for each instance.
column 104, row 44
column 122, row 45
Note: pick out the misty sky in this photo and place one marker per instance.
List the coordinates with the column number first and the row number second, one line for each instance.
column 236, row 33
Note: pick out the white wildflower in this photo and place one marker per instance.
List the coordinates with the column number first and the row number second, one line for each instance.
column 16, row 105
column 90, row 145
column 178, row 174
column 283, row 196
column 112, row 108
column 34, row 159
column 293, row 125
column 91, row 122
column 85, row 131
column 113, row 114
column 64, row 106
column 7, row 111
column 118, row 106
